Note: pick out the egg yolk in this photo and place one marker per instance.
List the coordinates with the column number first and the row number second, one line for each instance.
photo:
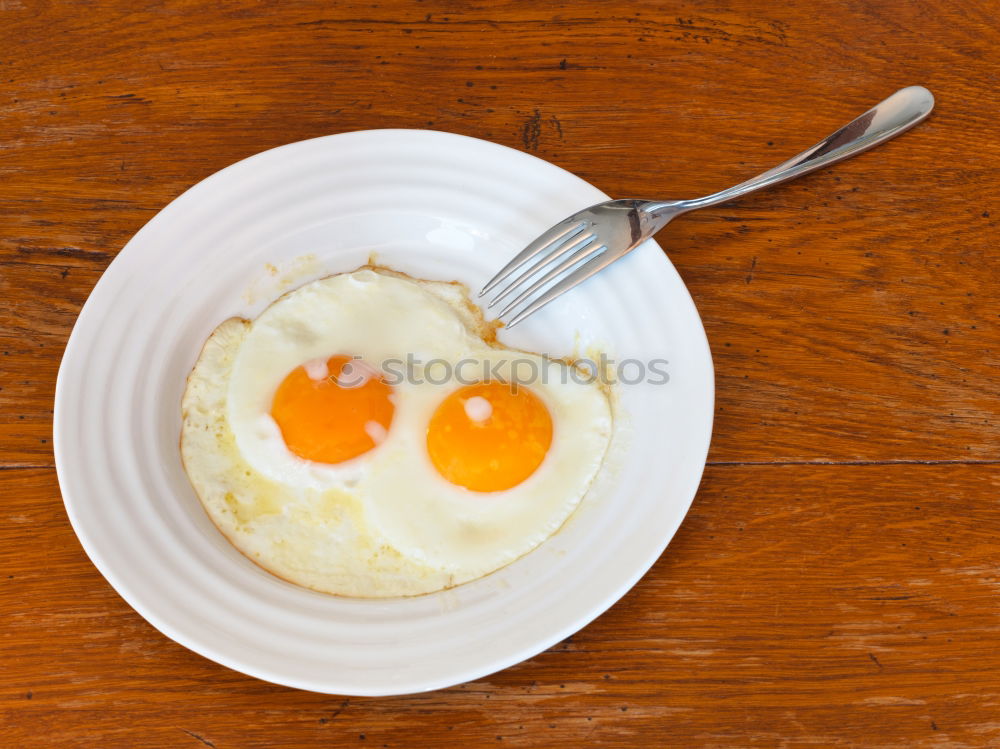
column 489, row 436
column 335, row 412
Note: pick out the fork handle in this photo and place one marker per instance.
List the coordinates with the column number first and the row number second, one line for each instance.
column 885, row 120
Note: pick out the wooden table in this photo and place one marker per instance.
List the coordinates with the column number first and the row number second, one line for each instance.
column 837, row 582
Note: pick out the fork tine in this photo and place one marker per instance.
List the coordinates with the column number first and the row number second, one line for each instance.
column 582, row 254
column 558, row 233
column 570, row 246
column 578, row 276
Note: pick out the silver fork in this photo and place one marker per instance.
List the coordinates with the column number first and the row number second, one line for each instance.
column 588, row 241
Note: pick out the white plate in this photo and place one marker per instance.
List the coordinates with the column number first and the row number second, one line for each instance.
column 431, row 204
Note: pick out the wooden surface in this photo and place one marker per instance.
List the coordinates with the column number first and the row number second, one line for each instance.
column 837, row 582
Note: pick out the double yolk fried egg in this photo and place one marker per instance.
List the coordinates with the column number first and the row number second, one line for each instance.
column 362, row 437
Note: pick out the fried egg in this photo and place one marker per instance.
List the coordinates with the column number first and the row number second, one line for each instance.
column 365, row 437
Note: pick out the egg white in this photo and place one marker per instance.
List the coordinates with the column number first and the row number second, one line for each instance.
column 386, row 523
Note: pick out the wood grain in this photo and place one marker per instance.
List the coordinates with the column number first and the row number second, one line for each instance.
column 796, row 606
column 835, row 583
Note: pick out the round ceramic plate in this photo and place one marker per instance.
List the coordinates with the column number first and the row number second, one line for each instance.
column 433, row 205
